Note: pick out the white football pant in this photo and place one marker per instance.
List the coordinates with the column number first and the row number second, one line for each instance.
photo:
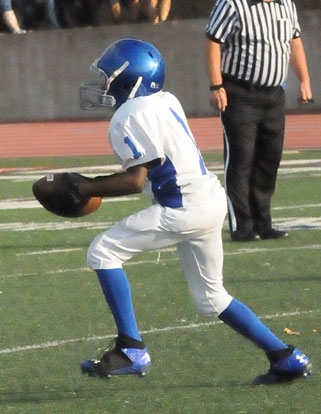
column 196, row 230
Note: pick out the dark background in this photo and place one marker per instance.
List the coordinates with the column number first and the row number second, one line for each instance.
column 41, row 71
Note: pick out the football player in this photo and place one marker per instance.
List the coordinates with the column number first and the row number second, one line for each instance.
column 151, row 138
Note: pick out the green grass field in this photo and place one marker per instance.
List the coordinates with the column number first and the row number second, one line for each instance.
column 53, row 314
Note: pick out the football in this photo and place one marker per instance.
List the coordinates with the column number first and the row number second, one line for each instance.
column 58, row 194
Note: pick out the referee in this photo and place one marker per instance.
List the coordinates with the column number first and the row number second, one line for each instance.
column 249, row 44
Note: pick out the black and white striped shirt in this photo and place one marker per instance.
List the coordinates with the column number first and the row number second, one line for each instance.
column 256, row 38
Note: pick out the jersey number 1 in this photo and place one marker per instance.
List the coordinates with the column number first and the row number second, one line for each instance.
column 132, row 147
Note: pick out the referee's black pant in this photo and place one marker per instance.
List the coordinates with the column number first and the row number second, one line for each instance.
column 253, row 125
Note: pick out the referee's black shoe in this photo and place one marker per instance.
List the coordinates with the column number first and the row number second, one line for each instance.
column 272, row 234
column 244, row 237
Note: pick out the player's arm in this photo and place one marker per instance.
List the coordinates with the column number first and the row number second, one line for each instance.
column 131, row 181
column 299, row 64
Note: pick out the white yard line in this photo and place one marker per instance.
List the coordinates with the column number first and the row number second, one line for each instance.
column 14, row 204
column 158, row 260
column 60, row 225
column 217, row 171
column 43, row 171
column 52, row 251
column 298, row 170
column 301, row 162
column 62, row 342
column 284, row 223
column 297, row 207
column 33, row 174
column 276, row 249
column 173, row 249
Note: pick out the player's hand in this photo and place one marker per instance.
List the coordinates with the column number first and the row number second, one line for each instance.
column 218, row 99
column 71, row 182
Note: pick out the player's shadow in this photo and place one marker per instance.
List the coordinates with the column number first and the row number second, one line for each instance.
column 113, row 385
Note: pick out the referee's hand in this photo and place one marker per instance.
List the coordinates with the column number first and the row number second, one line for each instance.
column 218, row 99
column 306, row 93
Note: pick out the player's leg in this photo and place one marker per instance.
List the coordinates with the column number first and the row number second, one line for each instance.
column 107, row 253
column 202, row 261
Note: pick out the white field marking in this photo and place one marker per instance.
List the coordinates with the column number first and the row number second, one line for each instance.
column 21, row 203
column 86, row 269
column 298, row 170
column 299, row 223
column 117, row 167
column 219, row 164
column 91, row 169
column 62, row 342
column 35, row 253
column 36, row 174
column 72, row 249
column 65, row 225
column 33, row 174
column 50, row 272
column 16, row 203
column 296, row 207
column 158, row 260
column 167, row 250
column 276, row 249
column 285, row 223
column 217, row 171
column 301, row 162
column 44, row 171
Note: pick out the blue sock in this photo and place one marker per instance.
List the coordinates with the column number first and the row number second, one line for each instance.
column 244, row 321
column 115, row 286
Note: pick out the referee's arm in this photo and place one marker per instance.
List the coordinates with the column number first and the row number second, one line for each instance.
column 299, row 64
column 218, row 98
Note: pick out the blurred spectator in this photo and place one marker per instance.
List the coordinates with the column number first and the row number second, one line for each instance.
column 34, row 14
column 9, row 17
column 77, row 13
column 161, row 9
column 140, row 10
column 50, row 12
column 38, row 14
column 121, row 8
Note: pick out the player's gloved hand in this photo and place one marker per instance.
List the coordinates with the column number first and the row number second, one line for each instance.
column 71, row 182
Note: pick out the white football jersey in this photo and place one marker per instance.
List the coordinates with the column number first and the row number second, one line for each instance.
column 155, row 127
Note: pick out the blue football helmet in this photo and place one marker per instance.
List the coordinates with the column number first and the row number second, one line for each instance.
column 127, row 69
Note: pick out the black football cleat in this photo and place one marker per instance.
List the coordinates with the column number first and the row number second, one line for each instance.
column 286, row 366
column 118, row 361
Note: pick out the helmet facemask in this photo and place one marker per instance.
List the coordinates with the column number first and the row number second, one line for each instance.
column 95, row 94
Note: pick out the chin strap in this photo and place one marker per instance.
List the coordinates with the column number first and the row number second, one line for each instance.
column 135, row 88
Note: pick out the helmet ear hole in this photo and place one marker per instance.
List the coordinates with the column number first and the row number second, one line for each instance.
column 126, row 87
